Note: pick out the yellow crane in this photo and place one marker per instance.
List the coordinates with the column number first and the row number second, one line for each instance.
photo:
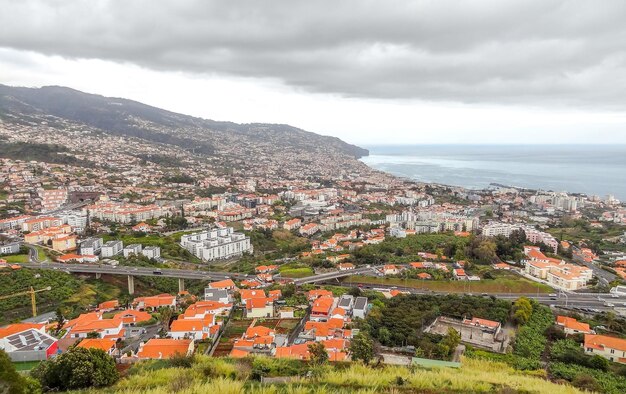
column 32, row 296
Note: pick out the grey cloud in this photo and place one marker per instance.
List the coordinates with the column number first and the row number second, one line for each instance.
column 531, row 52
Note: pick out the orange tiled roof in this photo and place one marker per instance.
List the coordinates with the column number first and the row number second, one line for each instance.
column 18, row 327
column 603, row 341
column 164, row 348
column 97, row 343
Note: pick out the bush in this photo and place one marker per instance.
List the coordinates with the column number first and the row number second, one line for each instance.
column 11, row 381
column 77, row 368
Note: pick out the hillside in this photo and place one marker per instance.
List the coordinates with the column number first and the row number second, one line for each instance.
column 48, row 114
column 235, row 376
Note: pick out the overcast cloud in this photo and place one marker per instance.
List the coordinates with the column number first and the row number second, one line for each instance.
column 542, row 54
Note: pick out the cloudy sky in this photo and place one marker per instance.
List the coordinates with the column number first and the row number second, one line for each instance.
column 370, row 72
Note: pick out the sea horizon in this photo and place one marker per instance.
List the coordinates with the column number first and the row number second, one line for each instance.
column 592, row 169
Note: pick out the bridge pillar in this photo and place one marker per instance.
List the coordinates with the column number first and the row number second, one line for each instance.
column 98, row 275
column 181, row 284
column 131, row 284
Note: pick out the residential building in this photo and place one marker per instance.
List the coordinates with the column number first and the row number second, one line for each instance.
column 360, row 307
column 111, row 248
column 23, row 343
column 259, row 307
column 9, row 248
column 157, row 349
column 64, row 243
column 132, row 249
column 216, row 244
column 611, row 348
column 218, row 295
column 572, row 326
column 107, row 345
column 91, row 246
column 152, row 252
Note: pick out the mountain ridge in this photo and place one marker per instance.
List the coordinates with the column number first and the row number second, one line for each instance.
column 121, row 116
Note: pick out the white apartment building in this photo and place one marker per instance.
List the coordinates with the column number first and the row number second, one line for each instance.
column 132, row 249
column 76, row 219
column 533, row 235
column 111, row 248
column 91, row 246
column 216, row 244
column 151, row 252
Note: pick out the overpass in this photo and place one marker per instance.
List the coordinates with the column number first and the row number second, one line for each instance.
column 332, row 275
column 132, row 272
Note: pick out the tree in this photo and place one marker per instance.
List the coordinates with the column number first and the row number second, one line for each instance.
column 93, row 335
column 355, row 292
column 449, row 342
column 78, row 368
column 522, row 309
column 288, row 290
column 318, row 353
column 165, row 315
column 59, row 319
column 362, row 348
column 11, row 382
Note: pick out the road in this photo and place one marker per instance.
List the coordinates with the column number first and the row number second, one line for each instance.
column 137, row 271
column 332, row 275
column 586, row 300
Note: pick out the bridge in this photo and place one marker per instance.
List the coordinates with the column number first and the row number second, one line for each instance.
column 132, row 272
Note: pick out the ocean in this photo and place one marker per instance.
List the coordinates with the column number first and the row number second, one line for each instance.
column 591, row 169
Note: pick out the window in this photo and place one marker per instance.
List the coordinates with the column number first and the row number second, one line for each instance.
column 612, row 351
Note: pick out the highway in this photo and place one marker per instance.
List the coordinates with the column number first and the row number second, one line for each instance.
column 332, row 275
column 597, row 301
column 137, row 271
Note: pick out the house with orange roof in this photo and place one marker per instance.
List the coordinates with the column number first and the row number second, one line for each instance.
column 143, row 227
column 391, row 269
column 346, row 266
column 321, row 308
column 424, row 276
column 106, row 328
column 259, row 307
column 264, row 269
column 108, row 306
column 196, row 329
column 573, row 326
column 201, row 308
column 611, row 348
column 130, row 317
column 248, row 294
column 316, row 293
column 265, row 277
column 292, row 224
column 459, row 274
column 502, row 266
column 252, row 284
column 226, row 284
column 275, row 294
column 157, row 349
column 155, row 302
column 106, row 345
column 309, row 229
column 297, row 352
column 19, row 327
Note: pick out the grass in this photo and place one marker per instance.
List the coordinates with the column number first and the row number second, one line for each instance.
column 25, row 365
column 297, row 272
column 235, row 376
column 499, row 285
column 16, row 258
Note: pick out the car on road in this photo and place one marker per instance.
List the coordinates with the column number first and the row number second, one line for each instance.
column 552, row 295
column 157, row 272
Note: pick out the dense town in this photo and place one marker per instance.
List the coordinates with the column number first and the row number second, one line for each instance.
column 253, row 252
column 361, row 223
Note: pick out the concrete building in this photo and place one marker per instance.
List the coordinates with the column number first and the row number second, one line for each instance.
column 217, row 244
column 151, row 252
column 91, row 246
column 9, row 248
column 111, row 248
column 360, row 307
column 132, row 249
